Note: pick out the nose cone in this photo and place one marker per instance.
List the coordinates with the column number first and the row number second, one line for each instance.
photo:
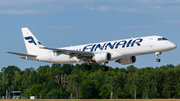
column 172, row 45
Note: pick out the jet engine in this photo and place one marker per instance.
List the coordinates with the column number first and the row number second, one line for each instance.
column 127, row 60
column 102, row 57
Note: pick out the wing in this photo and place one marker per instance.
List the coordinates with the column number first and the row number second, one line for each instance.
column 72, row 53
column 20, row 54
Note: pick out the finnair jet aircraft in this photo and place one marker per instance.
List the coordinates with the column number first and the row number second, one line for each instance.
column 122, row 51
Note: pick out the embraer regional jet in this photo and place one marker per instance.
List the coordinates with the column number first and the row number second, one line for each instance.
column 121, row 51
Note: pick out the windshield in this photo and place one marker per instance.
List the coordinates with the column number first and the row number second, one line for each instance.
column 161, row 39
column 164, row 38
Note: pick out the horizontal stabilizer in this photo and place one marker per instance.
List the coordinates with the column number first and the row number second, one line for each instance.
column 20, row 54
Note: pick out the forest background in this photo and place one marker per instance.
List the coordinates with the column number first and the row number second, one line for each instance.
column 69, row 81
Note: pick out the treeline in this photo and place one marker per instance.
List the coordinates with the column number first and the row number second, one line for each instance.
column 76, row 82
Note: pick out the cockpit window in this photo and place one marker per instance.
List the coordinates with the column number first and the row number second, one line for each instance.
column 164, row 39
column 159, row 39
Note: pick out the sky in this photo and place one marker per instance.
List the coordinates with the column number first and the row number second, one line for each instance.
column 61, row 23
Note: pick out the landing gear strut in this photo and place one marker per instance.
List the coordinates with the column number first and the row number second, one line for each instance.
column 104, row 68
column 157, row 55
column 87, row 66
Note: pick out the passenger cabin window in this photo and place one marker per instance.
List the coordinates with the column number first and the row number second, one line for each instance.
column 161, row 39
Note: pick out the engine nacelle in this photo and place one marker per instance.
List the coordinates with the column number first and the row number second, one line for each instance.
column 127, row 60
column 102, row 57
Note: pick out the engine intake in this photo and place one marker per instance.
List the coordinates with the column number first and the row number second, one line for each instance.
column 102, row 57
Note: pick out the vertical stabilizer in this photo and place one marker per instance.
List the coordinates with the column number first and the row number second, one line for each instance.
column 32, row 44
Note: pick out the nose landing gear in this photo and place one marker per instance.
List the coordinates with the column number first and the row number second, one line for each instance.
column 158, row 60
column 157, row 55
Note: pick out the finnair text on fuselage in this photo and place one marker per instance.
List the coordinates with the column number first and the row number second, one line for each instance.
column 115, row 45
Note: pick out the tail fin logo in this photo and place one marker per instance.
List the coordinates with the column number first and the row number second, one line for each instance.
column 31, row 40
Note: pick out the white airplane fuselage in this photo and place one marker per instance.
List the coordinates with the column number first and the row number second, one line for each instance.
column 118, row 49
column 122, row 51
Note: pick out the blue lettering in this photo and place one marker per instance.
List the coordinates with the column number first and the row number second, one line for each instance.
column 115, row 45
column 39, row 43
column 100, row 47
column 31, row 40
column 93, row 47
column 138, row 43
column 123, row 43
column 110, row 45
column 85, row 48
column 129, row 43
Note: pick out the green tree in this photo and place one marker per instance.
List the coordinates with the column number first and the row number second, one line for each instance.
column 131, row 69
column 146, row 79
column 74, row 81
column 99, row 79
column 87, row 89
column 25, row 78
column 104, row 91
column 111, row 83
column 56, row 93
column 66, row 68
column 168, row 83
column 125, row 92
column 119, row 83
column 34, row 90
column 3, row 83
column 133, row 80
column 9, row 72
column 32, row 79
column 157, row 78
column 16, row 82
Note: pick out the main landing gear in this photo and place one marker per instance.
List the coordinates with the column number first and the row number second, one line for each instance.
column 103, row 68
column 157, row 55
column 88, row 67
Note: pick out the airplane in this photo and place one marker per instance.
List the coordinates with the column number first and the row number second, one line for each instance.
column 121, row 51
